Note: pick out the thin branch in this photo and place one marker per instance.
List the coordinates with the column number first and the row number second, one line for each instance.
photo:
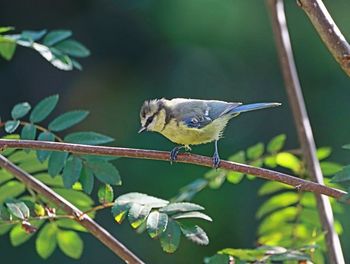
column 95, row 229
column 303, row 125
column 328, row 31
column 299, row 184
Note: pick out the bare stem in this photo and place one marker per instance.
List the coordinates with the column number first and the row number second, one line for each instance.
column 95, row 229
column 300, row 184
column 303, row 125
column 328, row 31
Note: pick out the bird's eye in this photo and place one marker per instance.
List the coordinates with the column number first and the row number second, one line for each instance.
column 149, row 120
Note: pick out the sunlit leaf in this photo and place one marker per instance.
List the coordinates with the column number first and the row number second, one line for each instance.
column 156, row 223
column 255, row 152
column 43, row 108
column 49, row 180
column 276, row 144
column 11, row 189
column 289, row 161
column 105, row 194
column 170, row 238
column 330, row 168
column 119, row 212
column 6, row 29
column 195, row 234
column 141, row 198
column 70, row 243
column 78, row 198
column 67, row 120
column 192, row 215
column 18, row 209
column 7, row 48
column 70, row 224
column 180, row 207
column 138, row 214
column 46, row 242
column 20, row 110
column 272, row 187
column 323, row 153
column 18, row 235
column 11, row 126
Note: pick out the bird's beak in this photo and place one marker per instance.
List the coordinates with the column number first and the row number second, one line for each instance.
column 142, row 129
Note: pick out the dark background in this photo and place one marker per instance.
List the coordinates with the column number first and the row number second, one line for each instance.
column 205, row 49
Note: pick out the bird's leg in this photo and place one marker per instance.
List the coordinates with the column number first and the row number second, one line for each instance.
column 174, row 152
column 216, row 158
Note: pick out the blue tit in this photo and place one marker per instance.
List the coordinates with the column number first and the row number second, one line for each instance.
column 192, row 122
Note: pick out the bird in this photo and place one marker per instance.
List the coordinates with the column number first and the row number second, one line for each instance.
column 189, row 122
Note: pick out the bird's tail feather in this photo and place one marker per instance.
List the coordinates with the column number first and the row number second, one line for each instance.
column 251, row 107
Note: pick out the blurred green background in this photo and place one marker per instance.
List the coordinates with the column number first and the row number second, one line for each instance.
column 209, row 49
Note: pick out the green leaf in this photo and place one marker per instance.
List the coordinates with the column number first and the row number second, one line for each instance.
column 87, row 180
column 156, row 223
column 119, row 211
column 78, row 198
column 5, row 176
column 18, row 209
column 192, row 215
column 70, row 243
column 272, row 187
column 180, row 207
column 91, row 138
column 4, row 213
column 42, row 155
column 11, row 126
column 141, row 198
column 289, row 161
column 11, row 189
column 7, row 48
column 70, row 224
column 71, row 171
column 6, row 29
column 67, row 120
column 330, row 168
column 20, row 110
column 18, row 236
column 347, row 146
column 138, row 214
column 290, row 255
column 77, row 65
column 43, row 109
column 276, row 202
column 270, row 161
column 32, row 35
column 105, row 194
column 73, row 48
column 323, row 153
column 276, row 144
column 218, row 259
column 49, row 180
column 46, row 242
column 28, row 132
column 238, row 157
column 56, row 36
column 62, row 62
column 234, row 176
column 170, row 238
column 341, row 176
column 195, row 234
column 105, row 172
column 255, row 152
column 57, row 161
column 245, row 254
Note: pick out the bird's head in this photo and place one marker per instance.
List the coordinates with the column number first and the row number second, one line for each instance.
column 149, row 114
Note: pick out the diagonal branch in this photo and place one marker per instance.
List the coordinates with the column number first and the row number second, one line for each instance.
column 328, row 31
column 98, row 231
column 303, row 125
column 299, row 184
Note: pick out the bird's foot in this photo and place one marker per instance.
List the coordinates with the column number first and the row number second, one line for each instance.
column 174, row 152
column 216, row 160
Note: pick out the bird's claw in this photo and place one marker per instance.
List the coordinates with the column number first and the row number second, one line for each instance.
column 216, row 161
column 173, row 154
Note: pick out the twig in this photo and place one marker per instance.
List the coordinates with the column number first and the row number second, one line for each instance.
column 328, row 31
column 300, row 184
column 98, row 231
column 302, row 122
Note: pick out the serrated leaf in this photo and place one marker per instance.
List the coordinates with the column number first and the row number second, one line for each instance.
column 141, row 198
column 33, row 35
column 289, row 161
column 28, row 132
column 46, row 242
column 195, row 234
column 87, row 180
column 56, row 36
column 71, row 171
column 11, row 189
column 67, row 120
column 330, row 168
column 57, row 161
column 138, row 214
column 7, row 48
column 91, row 138
column 42, row 155
column 255, row 152
column 192, row 215
column 156, row 223
column 70, row 243
column 105, row 172
column 43, row 109
column 73, row 48
column 20, row 110
column 276, row 202
column 119, row 212
column 343, row 175
column 272, row 187
column 11, row 126
column 276, row 144
column 18, row 209
column 170, row 238
column 105, row 194
column 323, row 153
column 180, row 207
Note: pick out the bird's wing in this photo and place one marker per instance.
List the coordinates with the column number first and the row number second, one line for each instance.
column 199, row 113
